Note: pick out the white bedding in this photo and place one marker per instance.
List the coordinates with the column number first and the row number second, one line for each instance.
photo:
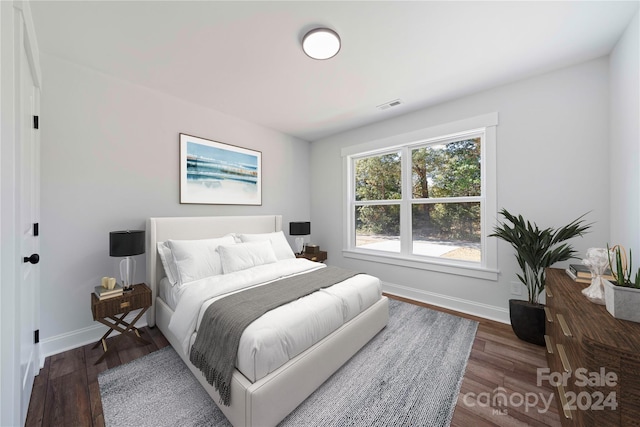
column 168, row 293
column 285, row 332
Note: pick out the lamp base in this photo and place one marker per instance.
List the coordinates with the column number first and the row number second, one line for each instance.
column 299, row 244
column 127, row 273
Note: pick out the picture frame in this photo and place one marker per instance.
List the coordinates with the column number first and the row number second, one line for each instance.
column 216, row 173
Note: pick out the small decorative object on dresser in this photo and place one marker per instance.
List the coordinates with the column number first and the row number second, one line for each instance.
column 108, row 283
column 622, row 296
column 597, row 261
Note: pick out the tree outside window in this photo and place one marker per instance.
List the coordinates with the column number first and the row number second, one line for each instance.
column 444, row 197
column 378, row 186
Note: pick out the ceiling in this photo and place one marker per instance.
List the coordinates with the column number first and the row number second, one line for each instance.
column 245, row 59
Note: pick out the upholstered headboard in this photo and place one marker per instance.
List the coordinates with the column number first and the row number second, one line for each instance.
column 187, row 228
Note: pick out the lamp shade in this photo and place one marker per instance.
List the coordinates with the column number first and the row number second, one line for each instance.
column 299, row 228
column 126, row 243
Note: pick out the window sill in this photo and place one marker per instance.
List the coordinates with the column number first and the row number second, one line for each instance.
column 460, row 269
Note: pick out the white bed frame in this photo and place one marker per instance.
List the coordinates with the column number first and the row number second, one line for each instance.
column 270, row 399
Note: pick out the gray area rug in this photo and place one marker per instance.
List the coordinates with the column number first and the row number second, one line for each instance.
column 408, row 375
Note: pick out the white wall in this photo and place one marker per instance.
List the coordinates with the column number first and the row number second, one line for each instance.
column 552, row 167
column 624, row 140
column 109, row 161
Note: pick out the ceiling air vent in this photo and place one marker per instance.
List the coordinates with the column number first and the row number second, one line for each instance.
column 389, row 104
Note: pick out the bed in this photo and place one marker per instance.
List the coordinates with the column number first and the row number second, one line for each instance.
column 269, row 397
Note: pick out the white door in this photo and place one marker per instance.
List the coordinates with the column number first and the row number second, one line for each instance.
column 19, row 209
column 28, row 206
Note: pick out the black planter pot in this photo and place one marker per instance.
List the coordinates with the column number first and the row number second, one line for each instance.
column 527, row 321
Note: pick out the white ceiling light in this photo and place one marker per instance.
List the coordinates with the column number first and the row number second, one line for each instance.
column 321, row 43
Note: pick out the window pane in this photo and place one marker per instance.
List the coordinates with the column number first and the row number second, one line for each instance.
column 378, row 227
column 378, row 177
column 446, row 170
column 447, row 230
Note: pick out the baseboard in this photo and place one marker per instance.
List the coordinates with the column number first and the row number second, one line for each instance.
column 473, row 308
column 78, row 338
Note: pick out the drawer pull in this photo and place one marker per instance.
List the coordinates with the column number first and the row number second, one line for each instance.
column 547, row 312
column 564, row 403
column 563, row 358
column 564, row 326
column 548, row 292
column 125, row 304
column 547, row 341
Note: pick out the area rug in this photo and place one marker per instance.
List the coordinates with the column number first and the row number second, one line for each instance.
column 407, row 375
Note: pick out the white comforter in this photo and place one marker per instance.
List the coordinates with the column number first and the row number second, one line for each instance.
column 285, row 332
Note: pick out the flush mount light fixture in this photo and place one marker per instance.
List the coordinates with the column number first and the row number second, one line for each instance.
column 321, row 43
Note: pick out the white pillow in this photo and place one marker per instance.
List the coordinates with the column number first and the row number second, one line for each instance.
column 246, row 255
column 197, row 259
column 169, row 264
column 278, row 240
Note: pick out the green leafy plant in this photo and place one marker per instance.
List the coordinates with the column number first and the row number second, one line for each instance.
column 537, row 249
column 623, row 271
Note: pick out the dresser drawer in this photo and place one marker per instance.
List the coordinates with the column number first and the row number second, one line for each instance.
column 140, row 297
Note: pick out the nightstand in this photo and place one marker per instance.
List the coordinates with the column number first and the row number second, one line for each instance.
column 321, row 256
column 112, row 311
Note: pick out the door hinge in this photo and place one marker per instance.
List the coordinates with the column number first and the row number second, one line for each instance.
column 35, row 122
column 36, row 229
column 36, row 336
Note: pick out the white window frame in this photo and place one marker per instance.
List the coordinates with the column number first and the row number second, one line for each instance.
column 485, row 126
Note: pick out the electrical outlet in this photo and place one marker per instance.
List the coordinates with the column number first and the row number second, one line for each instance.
column 516, row 288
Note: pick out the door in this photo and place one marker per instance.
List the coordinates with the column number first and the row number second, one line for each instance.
column 28, row 206
column 19, row 207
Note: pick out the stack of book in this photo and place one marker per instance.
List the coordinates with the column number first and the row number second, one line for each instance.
column 581, row 273
column 104, row 293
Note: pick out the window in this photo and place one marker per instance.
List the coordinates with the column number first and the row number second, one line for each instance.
column 424, row 201
column 446, row 199
column 378, row 195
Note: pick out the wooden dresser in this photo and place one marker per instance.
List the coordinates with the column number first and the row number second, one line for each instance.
column 597, row 355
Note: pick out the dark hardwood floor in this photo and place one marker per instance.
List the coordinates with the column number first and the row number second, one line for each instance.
column 66, row 391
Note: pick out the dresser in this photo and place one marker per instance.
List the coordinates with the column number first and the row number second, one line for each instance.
column 594, row 359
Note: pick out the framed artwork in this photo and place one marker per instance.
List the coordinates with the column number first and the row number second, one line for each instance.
column 215, row 173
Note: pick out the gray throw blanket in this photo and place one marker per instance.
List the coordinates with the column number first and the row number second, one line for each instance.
column 216, row 347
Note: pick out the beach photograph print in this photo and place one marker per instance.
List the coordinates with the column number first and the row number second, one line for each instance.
column 215, row 173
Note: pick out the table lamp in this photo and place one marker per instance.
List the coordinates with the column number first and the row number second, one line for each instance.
column 126, row 243
column 299, row 229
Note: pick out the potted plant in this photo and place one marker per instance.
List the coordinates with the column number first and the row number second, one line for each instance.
column 622, row 296
column 536, row 250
